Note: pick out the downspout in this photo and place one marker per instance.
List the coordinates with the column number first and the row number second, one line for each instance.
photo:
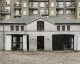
column 3, row 39
column 77, row 44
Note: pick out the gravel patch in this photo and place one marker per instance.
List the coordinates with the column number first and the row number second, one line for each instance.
column 39, row 57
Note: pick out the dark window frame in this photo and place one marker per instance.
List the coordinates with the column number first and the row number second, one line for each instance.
column 63, row 28
column 22, row 28
column 40, row 25
column 68, row 28
column 58, row 28
column 17, row 28
column 12, row 28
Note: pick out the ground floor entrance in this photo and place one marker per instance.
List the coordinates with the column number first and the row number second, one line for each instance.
column 17, row 42
column 40, row 43
column 61, row 42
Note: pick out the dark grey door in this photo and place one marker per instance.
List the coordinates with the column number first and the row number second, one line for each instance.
column 40, row 42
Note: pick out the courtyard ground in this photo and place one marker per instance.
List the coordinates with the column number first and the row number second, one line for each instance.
column 39, row 57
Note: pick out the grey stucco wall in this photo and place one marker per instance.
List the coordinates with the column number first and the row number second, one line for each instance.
column 1, row 40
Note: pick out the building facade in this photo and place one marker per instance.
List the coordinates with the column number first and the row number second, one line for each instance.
column 18, row 8
column 32, row 33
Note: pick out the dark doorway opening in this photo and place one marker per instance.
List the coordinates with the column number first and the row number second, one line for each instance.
column 61, row 42
column 40, row 43
column 27, row 42
column 17, row 42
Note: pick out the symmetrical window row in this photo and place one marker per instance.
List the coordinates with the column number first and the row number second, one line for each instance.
column 63, row 28
column 17, row 28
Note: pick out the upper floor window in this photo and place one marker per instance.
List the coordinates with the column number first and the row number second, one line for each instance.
column 60, row 11
column 24, row 4
column 42, row 4
column 17, row 28
column 63, row 28
column 40, row 25
column 58, row 28
column 22, row 28
column 12, row 28
column 33, row 4
column 60, row 4
column 7, row 1
column 68, row 28
column 52, row 4
column 35, row 11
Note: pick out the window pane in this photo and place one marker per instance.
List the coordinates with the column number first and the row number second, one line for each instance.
column 58, row 28
column 68, row 28
column 42, row 11
column 14, row 39
column 21, row 39
column 42, row 4
column 35, row 11
column 68, row 11
column 63, row 28
column 60, row 11
column 12, row 28
column 40, row 25
column 17, row 28
column 60, row 4
column 22, row 28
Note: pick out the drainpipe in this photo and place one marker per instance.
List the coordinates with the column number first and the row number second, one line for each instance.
column 77, row 44
column 3, row 39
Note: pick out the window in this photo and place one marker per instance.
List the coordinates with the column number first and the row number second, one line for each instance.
column 68, row 4
column 35, row 11
column 7, row 1
column 7, row 17
column 22, row 28
column 24, row 4
column 68, row 11
column 42, row 4
column 33, row 4
column 60, row 11
column 17, row 12
column 42, row 11
column 40, row 25
column 12, row 28
column 17, row 28
column 79, row 4
column 63, row 28
column 7, row 9
column 58, row 28
column 60, row 4
column 52, row 12
column 52, row 4
column 24, row 12
column 68, row 28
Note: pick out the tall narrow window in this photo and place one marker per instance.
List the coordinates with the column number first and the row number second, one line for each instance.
column 22, row 28
column 17, row 28
column 63, row 28
column 68, row 28
column 12, row 28
column 40, row 25
column 58, row 28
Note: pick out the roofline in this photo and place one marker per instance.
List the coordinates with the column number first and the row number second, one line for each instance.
column 12, row 23
column 69, row 23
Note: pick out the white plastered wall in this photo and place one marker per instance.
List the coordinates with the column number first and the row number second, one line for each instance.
column 8, row 39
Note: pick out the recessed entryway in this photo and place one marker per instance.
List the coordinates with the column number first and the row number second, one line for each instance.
column 40, row 43
column 61, row 42
column 17, row 42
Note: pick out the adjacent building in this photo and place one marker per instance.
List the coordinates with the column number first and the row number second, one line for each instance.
column 18, row 8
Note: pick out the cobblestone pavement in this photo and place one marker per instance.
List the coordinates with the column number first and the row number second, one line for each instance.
column 39, row 57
